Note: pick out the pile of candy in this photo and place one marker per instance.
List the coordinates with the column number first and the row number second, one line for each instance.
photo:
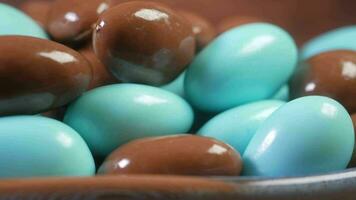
column 149, row 89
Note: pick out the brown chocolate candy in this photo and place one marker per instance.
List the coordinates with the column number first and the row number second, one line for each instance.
column 72, row 21
column 179, row 155
column 235, row 21
column 354, row 120
column 38, row 10
column 204, row 31
column 331, row 74
column 38, row 75
column 101, row 76
column 144, row 42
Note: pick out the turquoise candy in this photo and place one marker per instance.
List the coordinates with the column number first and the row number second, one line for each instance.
column 33, row 146
column 237, row 126
column 113, row 115
column 176, row 86
column 246, row 64
column 15, row 22
column 306, row 136
column 341, row 38
column 282, row 94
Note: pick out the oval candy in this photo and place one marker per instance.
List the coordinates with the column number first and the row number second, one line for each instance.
column 15, row 22
column 237, row 126
column 338, row 39
column 144, row 42
column 33, row 146
column 174, row 155
column 309, row 135
column 110, row 116
column 331, row 74
column 72, row 21
column 246, row 64
column 38, row 75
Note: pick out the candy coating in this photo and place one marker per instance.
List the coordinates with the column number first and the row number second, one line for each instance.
column 309, row 135
column 110, row 116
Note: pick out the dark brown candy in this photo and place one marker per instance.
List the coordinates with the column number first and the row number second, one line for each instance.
column 354, row 120
column 179, row 155
column 235, row 21
column 38, row 10
column 204, row 31
column 144, row 42
column 38, row 75
column 101, row 76
column 331, row 74
column 72, row 21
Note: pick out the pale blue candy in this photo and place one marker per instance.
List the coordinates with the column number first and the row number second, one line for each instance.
column 15, row 22
column 176, row 86
column 237, row 126
column 110, row 116
column 341, row 38
column 245, row 64
column 282, row 94
column 306, row 136
column 33, row 146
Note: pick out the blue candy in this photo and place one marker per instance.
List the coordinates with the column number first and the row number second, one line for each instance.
column 15, row 22
column 245, row 64
column 309, row 135
column 33, row 146
column 238, row 125
column 113, row 115
column 342, row 38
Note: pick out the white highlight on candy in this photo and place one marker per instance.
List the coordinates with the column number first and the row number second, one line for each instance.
column 151, row 15
column 217, row 149
column 58, row 56
column 349, row 69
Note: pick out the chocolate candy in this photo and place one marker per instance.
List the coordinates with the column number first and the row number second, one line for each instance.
column 235, row 21
column 113, row 115
column 101, row 76
column 204, row 31
column 331, row 74
column 246, row 64
column 33, row 146
column 38, row 75
column 15, row 22
column 309, row 135
column 338, row 39
column 38, row 10
column 144, row 42
column 72, row 21
column 354, row 120
column 237, row 126
column 179, row 155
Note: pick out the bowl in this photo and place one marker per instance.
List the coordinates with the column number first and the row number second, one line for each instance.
column 333, row 186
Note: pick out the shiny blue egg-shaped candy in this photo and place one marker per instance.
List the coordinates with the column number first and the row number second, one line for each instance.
column 237, row 126
column 306, row 136
column 15, row 22
column 33, row 146
column 245, row 64
column 341, row 38
column 110, row 116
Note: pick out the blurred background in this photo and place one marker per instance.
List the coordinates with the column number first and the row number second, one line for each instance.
column 304, row 19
